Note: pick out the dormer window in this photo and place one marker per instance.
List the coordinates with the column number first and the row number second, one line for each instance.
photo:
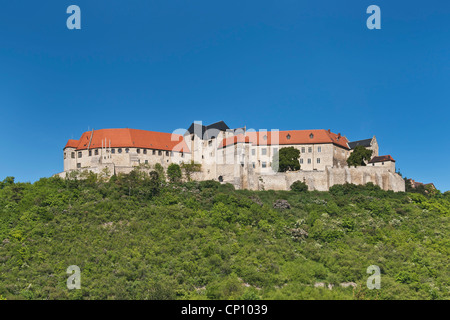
column 288, row 136
column 311, row 136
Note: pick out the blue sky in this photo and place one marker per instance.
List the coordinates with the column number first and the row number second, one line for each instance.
column 159, row 65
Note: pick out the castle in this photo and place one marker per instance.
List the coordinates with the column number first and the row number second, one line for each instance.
column 242, row 157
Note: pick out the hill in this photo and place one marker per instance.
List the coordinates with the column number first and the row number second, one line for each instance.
column 136, row 237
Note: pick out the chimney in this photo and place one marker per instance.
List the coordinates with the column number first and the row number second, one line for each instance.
column 329, row 131
column 339, row 136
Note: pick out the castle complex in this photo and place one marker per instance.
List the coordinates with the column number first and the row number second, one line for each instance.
column 239, row 156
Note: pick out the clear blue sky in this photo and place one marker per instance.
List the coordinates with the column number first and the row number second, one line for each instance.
column 159, row 65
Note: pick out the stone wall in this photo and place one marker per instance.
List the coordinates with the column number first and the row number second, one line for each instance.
column 323, row 180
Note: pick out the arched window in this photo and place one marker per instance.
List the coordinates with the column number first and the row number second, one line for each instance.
column 119, row 150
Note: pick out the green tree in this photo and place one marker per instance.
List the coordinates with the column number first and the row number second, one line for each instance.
column 160, row 170
column 286, row 159
column 359, row 156
column 174, row 172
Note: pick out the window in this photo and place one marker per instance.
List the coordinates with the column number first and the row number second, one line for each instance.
column 138, row 150
column 309, row 149
column 90, row 153
column 311, row 136
column 265, row 137
column 303, row 149
column 318, row 160
column 119, row 150
column 264, row 164
column 144, row 151
column 309, row 161
column 253, row 152
column 382, row 163
column 113, row 150
column 153, row 152
column 319, row 149
column 263, row 151
column 73, row 155
column 275, row 150
column 253, row 165
column 80, row 154
column 159, row 153
column 182, row 155
column 288, row 136
column 78, row 165
column 146, row 161
column 96, row 152
column 127, row 150
column 301, row 161
column 167, row 153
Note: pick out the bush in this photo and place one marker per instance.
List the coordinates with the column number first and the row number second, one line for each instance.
column 299, row 186
column 174, row 173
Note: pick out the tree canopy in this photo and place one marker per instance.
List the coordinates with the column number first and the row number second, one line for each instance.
column 358, row 157
column 136, row 237
column 286, row 159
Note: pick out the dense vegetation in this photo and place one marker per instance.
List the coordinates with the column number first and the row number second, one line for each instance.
column 136, row 237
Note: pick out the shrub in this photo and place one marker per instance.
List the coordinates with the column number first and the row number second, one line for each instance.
column 174, row 173
column 299, row 186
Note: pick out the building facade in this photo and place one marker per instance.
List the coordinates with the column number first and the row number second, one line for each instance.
column 242, row 157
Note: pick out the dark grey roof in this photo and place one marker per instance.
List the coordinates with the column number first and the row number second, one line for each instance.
column 364, row 143
column 209, row 131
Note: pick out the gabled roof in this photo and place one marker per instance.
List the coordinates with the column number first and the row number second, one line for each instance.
column 130, row 138
column 382, row 159
column 288, row 137
column 209, row 131
column 365, row 143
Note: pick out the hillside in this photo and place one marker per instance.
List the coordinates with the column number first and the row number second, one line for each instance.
column 137, row 238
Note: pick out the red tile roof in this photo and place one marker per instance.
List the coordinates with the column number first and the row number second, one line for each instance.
column 287, row 137
column 130, row 138
column 72, row 143
column 382, row 159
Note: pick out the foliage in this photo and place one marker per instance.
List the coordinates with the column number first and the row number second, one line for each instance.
column 160, row 170
column 134, row 237
column 190, row 168
column 174, row 172
column 358, row 157
column 286, row 159
column 299, row 186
